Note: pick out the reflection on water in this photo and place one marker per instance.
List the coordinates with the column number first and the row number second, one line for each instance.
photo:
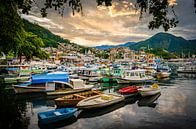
column 175, row 107
column 58, row 124
column 100, row 111
column 12, row 113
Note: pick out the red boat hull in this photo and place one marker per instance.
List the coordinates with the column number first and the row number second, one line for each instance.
column 128, row 90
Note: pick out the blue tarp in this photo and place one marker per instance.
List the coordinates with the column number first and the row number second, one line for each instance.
column 12, row 69
column 157, row 60
column 50, row 77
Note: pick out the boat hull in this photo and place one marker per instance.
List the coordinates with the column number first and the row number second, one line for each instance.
column 108, row 79
column 163, row 75
column 149, row 100
column 15, row 79
column 125, row 81
column 128, row 90
column 148, row 92
column 99, row 105
column 72, row 100
column 187, row 71
column 20, row 90
column 56, row 115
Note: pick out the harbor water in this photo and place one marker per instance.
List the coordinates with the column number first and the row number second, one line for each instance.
column 174, row 108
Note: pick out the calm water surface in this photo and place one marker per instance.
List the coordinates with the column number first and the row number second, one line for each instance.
column 175, row 108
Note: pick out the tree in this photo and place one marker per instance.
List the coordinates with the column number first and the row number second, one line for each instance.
column 13, row 37
column 11, row 26
column 30, row 47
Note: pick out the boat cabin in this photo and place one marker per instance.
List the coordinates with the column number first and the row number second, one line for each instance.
column 135, row 73
column 89, row 72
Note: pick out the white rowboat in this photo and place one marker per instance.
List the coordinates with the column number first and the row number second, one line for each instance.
column 99, row 101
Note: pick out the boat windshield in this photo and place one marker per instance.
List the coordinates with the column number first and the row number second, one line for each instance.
column 136, row 74
column 142, row 75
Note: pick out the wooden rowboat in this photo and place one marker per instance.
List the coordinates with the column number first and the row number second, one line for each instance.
column 56, row 115
column 99, row 101
column 73, row 99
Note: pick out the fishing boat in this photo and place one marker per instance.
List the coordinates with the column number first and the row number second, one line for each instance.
column 114, row 73
column 16, row 79
column 74, row 86
column 99, row 101
column 73, row 99
column 163, row 71
column 90, row 74
column 13, row 75
column 134, row 76
column 53, row 88
column 42, row 83
column 56, row 115
column 188, row 68
column 149, row 90
column 129, row 89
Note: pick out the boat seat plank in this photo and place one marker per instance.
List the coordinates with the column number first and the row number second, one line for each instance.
column 57, row 113
column 97, row 92
column 43, row 116
column 79, row 96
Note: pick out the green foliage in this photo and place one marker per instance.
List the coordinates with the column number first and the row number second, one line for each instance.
column 13, row 38
column 48, row 38
column 10, row 55
column 159, row 10
column 102, row 54
column 32, row 47
column 119, row 55
column 11, row 26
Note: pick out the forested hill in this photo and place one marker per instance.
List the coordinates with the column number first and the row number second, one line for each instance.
column 168, row 42
column 48, row 37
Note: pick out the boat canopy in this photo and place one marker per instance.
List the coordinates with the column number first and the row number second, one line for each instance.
column 50, row 77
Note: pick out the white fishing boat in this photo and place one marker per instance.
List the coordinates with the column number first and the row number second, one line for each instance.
column 79, row 84
column 188, row 68
column 134, row 76
column 75, row 85
column 149, row 90
column 99, row 101
column 90, row 74
column 163, row 71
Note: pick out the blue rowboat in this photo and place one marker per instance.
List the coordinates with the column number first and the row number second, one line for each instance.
column 56, row 115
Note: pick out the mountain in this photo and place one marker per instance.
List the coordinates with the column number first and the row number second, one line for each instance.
column 193, row 41
column 48, row 37
column 106, row 47
column 168, row 42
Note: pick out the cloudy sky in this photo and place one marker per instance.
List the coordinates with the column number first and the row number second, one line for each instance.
column 111, row 25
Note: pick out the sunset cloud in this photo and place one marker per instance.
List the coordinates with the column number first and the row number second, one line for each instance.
column 112, row 25
column 172, row 2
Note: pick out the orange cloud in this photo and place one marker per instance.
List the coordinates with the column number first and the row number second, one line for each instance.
column 172, row 2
